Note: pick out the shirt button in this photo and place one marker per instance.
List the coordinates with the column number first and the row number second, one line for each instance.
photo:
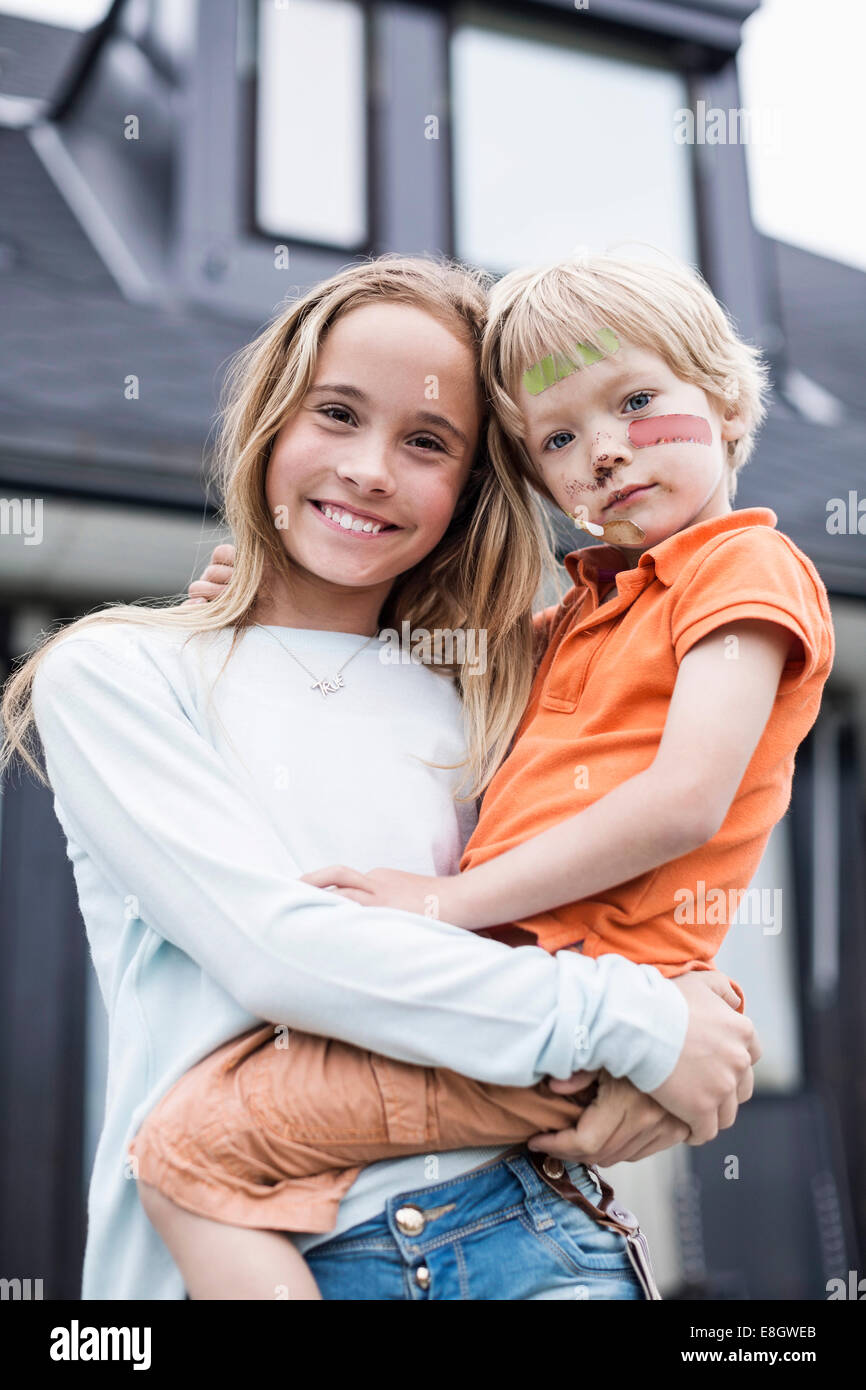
column 553, row 1167
column 422, row 1277
column 411, row 1220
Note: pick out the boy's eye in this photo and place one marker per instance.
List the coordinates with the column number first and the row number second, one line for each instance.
column 559, row 440
column 642, row 397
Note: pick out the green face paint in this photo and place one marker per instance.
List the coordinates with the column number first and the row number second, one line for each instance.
column 559, row 365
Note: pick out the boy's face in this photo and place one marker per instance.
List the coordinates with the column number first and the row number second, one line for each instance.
column 584, row 438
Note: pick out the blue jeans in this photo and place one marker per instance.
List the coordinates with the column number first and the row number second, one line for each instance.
column 497, row 1233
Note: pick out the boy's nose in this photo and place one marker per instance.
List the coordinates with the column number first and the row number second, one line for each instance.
column 608, row 453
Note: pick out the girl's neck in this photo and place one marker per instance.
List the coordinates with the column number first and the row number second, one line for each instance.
column 318, row 608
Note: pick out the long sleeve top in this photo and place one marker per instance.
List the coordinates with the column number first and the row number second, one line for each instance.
column 194, row 788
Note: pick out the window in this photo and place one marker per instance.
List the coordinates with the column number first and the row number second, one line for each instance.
column 558, row 143
column 311, row 122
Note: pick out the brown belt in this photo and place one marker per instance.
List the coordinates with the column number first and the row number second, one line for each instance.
column 609, row 1213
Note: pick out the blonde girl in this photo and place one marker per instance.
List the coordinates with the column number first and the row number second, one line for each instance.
column 203, row 759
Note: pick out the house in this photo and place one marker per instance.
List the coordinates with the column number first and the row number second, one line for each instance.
column 163, row 196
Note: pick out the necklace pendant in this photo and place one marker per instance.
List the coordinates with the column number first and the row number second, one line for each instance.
column 328, row 687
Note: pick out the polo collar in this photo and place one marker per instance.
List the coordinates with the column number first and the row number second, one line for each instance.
column 595, row 565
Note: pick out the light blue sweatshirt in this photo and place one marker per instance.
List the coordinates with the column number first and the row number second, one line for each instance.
column 191, row 805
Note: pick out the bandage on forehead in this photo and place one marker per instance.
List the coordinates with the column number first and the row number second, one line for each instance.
column 558, row 365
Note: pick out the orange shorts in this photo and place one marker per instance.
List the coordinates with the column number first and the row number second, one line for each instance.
column 272, row 1136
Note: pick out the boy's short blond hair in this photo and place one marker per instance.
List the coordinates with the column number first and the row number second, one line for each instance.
column 667, row 308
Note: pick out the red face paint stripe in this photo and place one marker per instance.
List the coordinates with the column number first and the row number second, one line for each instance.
column 670, row 429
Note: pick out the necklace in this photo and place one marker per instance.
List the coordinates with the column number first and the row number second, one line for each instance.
column 328, row 684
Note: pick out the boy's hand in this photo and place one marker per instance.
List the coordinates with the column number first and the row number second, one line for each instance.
column 428, row 895
column 214, row 578
column 620, row 1125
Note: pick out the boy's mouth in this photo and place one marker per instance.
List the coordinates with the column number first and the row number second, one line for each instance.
column 357, row 523
column 626, row 494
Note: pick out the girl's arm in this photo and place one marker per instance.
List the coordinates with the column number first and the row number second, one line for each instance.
column 155, row 808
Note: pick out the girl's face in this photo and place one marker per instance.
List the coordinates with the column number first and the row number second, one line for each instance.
column 363, row 481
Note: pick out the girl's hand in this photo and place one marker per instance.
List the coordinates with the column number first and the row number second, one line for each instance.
column 429, row 896
column 621, row 1125
column 214, row 578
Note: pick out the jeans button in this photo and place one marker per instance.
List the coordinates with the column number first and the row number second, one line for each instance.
column 553, row 1167
column 411, row 1220
column 422, row 1277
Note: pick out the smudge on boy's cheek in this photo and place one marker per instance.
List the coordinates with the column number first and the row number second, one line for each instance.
column 669, row 429
column 571, row 487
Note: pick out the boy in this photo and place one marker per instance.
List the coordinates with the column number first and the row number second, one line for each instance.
column 676, row 681
column 684, row 668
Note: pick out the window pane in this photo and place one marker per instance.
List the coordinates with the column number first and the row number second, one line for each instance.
column 311, row 122
column 558, row 145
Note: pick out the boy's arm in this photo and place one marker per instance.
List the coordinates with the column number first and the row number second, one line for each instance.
column 718, row 712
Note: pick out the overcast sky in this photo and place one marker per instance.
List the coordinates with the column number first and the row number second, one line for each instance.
column 801, row 68
column 804, row 60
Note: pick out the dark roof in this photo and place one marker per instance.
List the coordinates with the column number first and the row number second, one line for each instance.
column 797, row 469
column 35, row 58
column 823, row 312
column 69, row 341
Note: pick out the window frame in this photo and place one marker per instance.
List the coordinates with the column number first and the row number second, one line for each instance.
column 221, row 263
column 361, row 247
column 605, row 41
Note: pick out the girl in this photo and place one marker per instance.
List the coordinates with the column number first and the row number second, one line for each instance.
column 194, row 791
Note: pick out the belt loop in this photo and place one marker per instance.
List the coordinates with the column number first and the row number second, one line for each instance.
column 537, row 1208
column 610, row 1214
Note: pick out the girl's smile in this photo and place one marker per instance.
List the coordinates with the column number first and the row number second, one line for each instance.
column 350, row 521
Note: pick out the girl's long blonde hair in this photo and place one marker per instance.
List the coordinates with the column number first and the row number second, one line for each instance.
column 484, row 573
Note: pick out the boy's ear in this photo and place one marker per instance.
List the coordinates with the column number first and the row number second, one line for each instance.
column 734, row 424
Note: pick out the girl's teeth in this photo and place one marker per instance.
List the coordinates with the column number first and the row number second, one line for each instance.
column 350, row 523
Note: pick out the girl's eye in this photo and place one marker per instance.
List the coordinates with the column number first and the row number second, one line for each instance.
column 334, row 412
column 643, row 397
column 424, row 440
column 559, row 440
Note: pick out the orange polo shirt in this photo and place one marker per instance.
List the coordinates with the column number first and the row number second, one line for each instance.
column 596, row 713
